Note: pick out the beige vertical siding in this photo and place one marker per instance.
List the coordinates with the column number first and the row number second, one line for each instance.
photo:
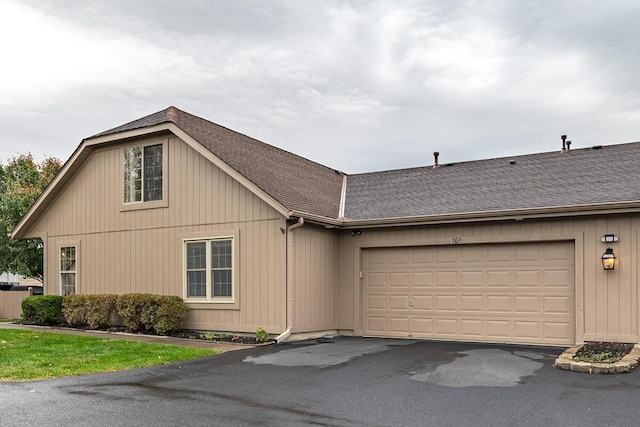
column 315, row 256
column 141, row 250
column 606, row 301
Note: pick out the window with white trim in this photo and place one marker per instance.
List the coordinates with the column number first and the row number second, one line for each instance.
column 143, row 173
column 209, row 269
column 68, row 270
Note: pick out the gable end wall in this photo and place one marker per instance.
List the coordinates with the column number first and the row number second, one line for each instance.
column 122, row 251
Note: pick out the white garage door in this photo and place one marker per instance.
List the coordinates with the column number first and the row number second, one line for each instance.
column 518, row 293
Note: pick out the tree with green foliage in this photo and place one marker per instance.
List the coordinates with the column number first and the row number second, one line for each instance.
column 22, row 180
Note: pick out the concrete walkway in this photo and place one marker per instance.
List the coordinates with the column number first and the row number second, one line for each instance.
column 220, row 346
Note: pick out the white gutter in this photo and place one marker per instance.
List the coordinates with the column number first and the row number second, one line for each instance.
column 289, row 279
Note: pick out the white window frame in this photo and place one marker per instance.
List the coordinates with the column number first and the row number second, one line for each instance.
column 142, row 204
column 62, row 272
column 224, row 302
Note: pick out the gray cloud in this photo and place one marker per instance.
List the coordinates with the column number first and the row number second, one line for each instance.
column 357, row 86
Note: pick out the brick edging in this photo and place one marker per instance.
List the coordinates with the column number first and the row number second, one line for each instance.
column 626, row 364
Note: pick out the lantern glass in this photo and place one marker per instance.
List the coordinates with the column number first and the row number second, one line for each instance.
column 608, row 259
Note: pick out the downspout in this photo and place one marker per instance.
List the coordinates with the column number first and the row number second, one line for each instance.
column 289, row 279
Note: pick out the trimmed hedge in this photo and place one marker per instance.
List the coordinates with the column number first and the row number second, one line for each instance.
column 74, row 310
column 130, row 307
column 42, row 309
column 170, row 312
column 100, row 309
column 139, row 312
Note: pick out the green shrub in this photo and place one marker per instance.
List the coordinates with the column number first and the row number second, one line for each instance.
column 42, row 309
column 130, row 307
column 262, row 335
column 170, row 314
column 149, row 312
column 99, row 309
column 74, row 310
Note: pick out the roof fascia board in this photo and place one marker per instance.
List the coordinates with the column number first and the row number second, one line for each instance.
column 19, row 231
column 119, row 136
column 318, row 219
column 229, row 170
column 514, row 215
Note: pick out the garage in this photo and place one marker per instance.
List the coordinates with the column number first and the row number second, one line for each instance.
column 508, row 293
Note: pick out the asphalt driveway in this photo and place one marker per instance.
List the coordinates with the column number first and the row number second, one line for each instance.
column 337, row 382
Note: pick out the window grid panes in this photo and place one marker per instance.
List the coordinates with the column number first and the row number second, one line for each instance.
column 221, row 268
column 196, row 269
column 153, row 172
column 143, row 173
column 209, row 269
column 68, row 270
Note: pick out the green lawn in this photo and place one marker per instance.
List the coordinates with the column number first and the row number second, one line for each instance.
column 26, row 355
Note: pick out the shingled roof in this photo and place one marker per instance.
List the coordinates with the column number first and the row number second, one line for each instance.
column 299, row 184
column 598, row 175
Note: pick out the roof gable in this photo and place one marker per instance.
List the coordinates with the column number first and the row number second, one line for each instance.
column 299, row 184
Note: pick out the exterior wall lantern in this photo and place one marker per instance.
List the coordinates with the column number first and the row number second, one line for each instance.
column 608, row 259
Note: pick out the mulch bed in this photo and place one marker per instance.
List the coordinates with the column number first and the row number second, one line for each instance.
column 602, row 352
column 216, row 336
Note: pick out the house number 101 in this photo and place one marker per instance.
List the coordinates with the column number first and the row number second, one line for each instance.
column 456, row 240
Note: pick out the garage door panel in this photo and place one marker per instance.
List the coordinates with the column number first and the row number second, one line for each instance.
column 499, row 253
column 558, row 278
column 447, row 254
column 446, row 279
column 499, row 330
column 377, row 325
column 399, row 325
column 526, row 329
column 422, row 328
column 498, row 304
column 376, row 280
column 527, row 253
column 472, row 303
column 398, row 302
column 471, row 279
column 400, row 256
column 519, row 292
column 472, row 256
column 471, row 328
column 422, row 302
column 557, row 305
column 377, row 302
column 526, row 278
column 446, row 327
column 557, row 331
column 422, row 279
column 421, row 256
column 557, row 253
column 399, row 280
column 446, row 303
column 526, row 304
column 498, row 279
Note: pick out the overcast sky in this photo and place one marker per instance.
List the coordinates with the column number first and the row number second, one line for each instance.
column 358, row 86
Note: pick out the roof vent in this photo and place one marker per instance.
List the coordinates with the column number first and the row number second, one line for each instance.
column 597, row 147
column 564, row 143
column 435, row 159
column 512, row 162
column 568, row 145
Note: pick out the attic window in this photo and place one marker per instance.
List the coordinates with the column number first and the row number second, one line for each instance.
column 143, row 173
